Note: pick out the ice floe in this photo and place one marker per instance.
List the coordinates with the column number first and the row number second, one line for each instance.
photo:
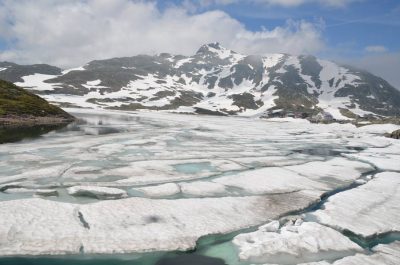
column 38, row 226
column 163, row 190
column 292, row 244
column 368, row 210
column 202, row 188
column 385, row 157
column 331, row 174
column 382, row 255
column 268, row 180
column 97, row 192
column 187, row 177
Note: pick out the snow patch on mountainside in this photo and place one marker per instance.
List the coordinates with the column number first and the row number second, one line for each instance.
column 36, row 82
column 73, row 69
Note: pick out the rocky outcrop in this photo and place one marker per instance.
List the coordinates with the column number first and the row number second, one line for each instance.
column 21, row 108
column 395, row 134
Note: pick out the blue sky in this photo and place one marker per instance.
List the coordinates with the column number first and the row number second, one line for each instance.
column 364, row 33
column 69, row 33
column 347, row 29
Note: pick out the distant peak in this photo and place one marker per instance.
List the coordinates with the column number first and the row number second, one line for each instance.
column 211, row 47
column 215, row 45
column 215, row 50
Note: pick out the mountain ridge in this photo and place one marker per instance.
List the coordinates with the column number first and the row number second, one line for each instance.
column 218, row 81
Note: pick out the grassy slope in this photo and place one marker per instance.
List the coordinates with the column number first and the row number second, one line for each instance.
column 15, row 101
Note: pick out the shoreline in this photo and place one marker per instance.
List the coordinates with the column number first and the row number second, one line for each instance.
column 14, row 121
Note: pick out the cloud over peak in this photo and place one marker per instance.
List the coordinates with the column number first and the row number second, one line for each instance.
column 73, row 32
column 283, row 3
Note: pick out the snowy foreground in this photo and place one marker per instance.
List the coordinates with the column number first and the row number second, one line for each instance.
column 286, row 191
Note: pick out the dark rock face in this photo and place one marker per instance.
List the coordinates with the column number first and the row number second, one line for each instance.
column 311, row 67
column 395, row 134
column 220, row 81
column 245, row 101
column 13, row 72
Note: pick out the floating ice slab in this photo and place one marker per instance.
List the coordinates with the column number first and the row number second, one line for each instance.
column 382, row 161
column 40, row 192
column 163, row 190
column 157, row 172
column 269, row 180
column 367, row 210
column 202, row 188
column 46, row 192
column 19, row 190
column 45, row 172
column 338, row 169
column 382, row 255
column 385, row 158
column 317, row 175
column 38, row 226
column 306, row 242
column 97, row 192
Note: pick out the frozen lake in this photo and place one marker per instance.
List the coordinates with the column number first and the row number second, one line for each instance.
column 159, row 188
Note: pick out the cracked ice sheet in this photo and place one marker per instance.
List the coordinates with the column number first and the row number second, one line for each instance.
column 133, row 225
column 160, row 171
column 367, row 210
column 275, row 161
column 331, row 174
column 382, row 255
column 385, row 158
column 202, row 188
column 48, row 172
column 339, row 169
column 158, row 137
column 159, row 191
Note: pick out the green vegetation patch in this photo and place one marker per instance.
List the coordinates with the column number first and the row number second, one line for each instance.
column 17, row 101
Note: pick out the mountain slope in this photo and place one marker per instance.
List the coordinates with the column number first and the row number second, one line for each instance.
column 220, row 81
column 18, row 106
column 13, row 72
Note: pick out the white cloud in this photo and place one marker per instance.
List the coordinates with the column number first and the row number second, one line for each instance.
column 337, row 3
column 385, row 65
column 293, row 38
column 375, row 48
column 72, row 32
column 283, row 3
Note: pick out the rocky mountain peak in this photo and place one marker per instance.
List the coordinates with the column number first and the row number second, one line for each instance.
column 216, row 80
column 214, row 49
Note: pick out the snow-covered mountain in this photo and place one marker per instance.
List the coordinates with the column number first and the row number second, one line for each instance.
column 216, row 81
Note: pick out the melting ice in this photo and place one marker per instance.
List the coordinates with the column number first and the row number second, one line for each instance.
column 114, row 183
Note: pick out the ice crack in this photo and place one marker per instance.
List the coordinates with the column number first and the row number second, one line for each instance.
column 83, row 221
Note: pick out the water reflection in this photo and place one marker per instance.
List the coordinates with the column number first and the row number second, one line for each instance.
column 180, row 259
column 190, row 259
column 88, row 124
column 15, row 134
